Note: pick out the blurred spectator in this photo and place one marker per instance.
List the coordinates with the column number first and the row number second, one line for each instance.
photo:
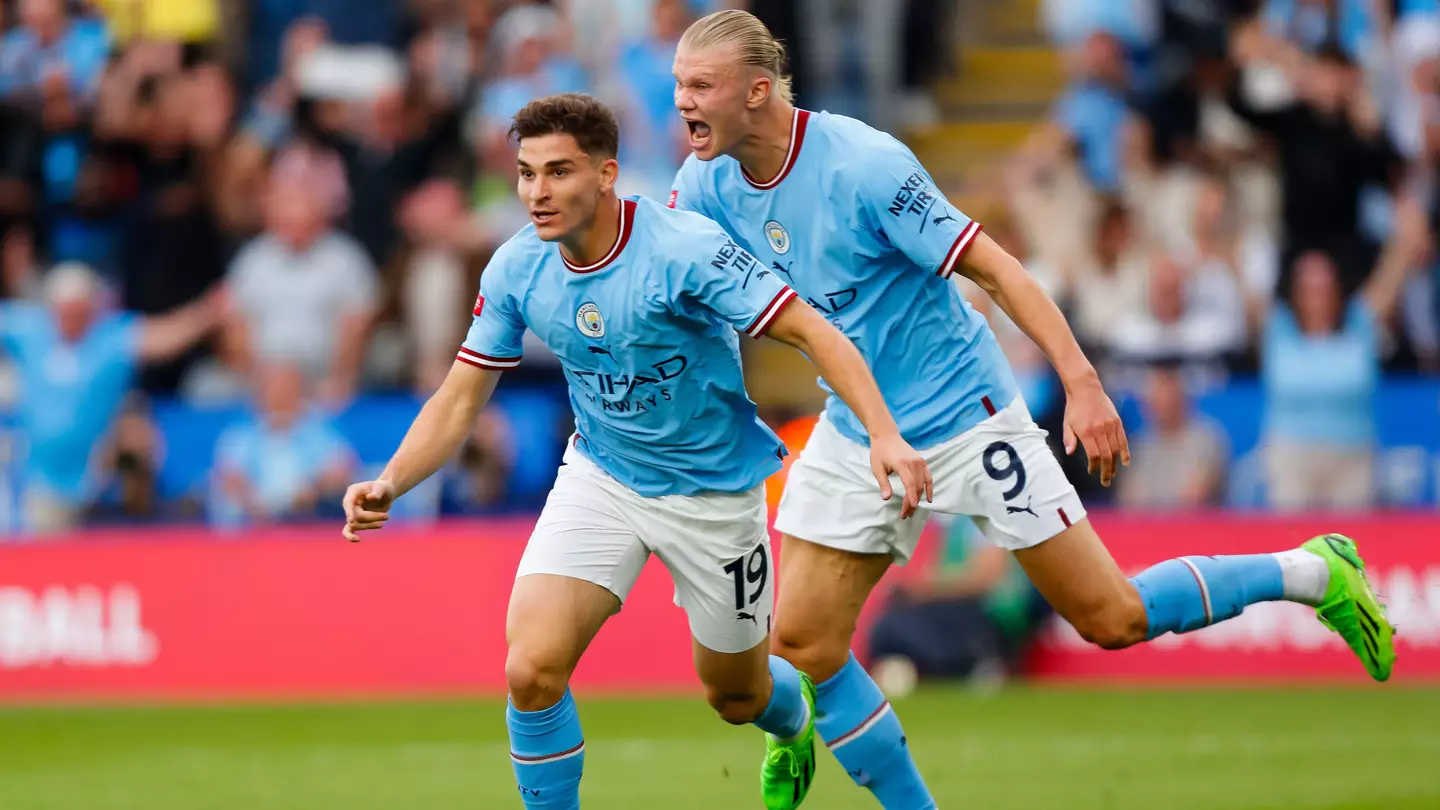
column 1181, row 322
column 50, row 67
column 480, row 478
column 654, row 142
column 303, row 291
column 1133, row 23
column 973, row 615
column 1331, row 147
column 19, row 270
column 165, row 127
column 1235, row 262
column 284, row 460
column 1093, row 118
column 1312, row 24
column 1179, row 459
column 1320, row 366
column 437, row 285
column 52, row 59
column 1109, row 281
column 76, row 364
column 128, row 473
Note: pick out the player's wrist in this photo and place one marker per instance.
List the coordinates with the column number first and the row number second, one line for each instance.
column 1079, row 378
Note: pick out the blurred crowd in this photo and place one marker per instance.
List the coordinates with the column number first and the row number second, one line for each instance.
column 276, row 205
column 279, row 205
column 1237, row 188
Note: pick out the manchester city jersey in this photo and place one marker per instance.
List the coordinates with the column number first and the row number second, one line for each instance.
column 647, row 338
column 856, row 226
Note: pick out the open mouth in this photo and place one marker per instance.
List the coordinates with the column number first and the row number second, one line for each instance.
column 542, row 217
column 699, row 134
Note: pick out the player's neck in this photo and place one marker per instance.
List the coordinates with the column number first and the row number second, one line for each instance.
column 762, row 152
column 590, row 243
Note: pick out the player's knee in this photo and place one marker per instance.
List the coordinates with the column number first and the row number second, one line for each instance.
column 817, row 656
column 534, row 685
column 735, row 708
column 1114, row 626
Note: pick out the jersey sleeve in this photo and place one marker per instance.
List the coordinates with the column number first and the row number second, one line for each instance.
column 497, row 329
column 720, row 276
column 685, row 194
column 904, row 204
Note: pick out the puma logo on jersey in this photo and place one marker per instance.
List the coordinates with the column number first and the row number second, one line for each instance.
column 740, row 617
column 946, row 218
column 600, row 350
column 1015, row 510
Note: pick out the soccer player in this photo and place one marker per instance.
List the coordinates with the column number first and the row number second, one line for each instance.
column 852, row 221
column 641, row 304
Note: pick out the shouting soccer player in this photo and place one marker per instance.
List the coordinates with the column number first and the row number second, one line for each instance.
column 855, row 225
column 641, row 304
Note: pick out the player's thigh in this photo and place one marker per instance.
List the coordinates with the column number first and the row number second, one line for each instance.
column 1076, row 574
column 717, row 550
column 551, row 621
column 831, row 500
column 582, row 559
column 736, row 683
column 822, row 591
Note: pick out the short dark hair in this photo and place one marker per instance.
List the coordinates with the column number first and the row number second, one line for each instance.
column 582, row 117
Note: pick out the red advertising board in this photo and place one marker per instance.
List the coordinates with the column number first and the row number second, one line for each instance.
column 299, row 612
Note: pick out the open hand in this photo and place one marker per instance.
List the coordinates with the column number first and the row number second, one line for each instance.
column 1092, row 421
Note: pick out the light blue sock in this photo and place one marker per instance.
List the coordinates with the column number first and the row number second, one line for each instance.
column 547, row 750
column 786, row 715
column 1193, row 592
column 856, row 721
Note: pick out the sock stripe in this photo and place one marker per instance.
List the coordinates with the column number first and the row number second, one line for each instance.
column 546, row 758
column 865, row 725
column 1204, row 590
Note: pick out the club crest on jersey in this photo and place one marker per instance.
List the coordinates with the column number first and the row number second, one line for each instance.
column 589, row 321
column 778, row 237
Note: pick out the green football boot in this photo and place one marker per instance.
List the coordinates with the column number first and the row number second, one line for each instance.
column 1351, row 607
column 790, row 767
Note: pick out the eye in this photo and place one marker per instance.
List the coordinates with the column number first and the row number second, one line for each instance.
column 702, row 86
column 527, row 174
column 561, row 172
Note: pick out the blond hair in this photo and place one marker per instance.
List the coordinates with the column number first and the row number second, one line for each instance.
column 754, row 44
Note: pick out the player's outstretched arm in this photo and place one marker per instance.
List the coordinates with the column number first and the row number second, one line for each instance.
column 1090, row 416
column 434, row 437
column 843, row 367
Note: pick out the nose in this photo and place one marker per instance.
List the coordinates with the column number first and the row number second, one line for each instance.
column 683, row 100
column 539, row 189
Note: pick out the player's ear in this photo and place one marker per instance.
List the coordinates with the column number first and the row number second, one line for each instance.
column 609, row 173
column 760, row 88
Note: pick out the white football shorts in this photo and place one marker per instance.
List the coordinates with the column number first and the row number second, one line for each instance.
column 715, row 546
column 1000, row 473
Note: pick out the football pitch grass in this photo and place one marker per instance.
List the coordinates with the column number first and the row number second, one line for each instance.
column 1373, row 748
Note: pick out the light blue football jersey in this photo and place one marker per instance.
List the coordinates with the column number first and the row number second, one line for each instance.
column 647, row 338
column 856, row 226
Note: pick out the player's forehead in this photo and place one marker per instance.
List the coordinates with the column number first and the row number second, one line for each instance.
column 540, row 150
column 707, row 62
